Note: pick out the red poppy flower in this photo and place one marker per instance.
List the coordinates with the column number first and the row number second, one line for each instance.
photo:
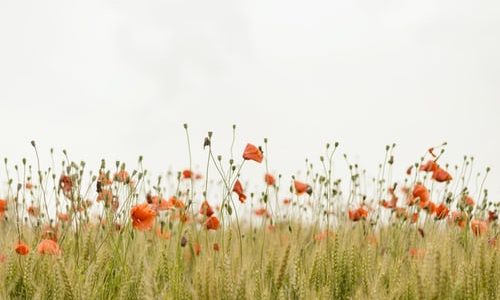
column 174, row 202
column 22, row 249
column 212, row 223
column 392, row 203
column 197, row 249
column 492, row 216
column 459, row 218
column 104, row 178
column 441, row 175
column 358, row 214
column 216, row 247
column 269, row 179
column 187, row 174
column 416, row 253
column 49, row 247
column 253, row 153
column 420, row 191
column 65, row 183
column 262, row 212
column 301, row 188
column 238, row 189
column 414, row 217
column 206, row 209
column 143, row 216
column 287, row 201
column 430, row 166
column 442, row 211
column 3, row 207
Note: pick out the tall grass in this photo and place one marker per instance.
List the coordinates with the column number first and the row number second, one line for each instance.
column 307, row 247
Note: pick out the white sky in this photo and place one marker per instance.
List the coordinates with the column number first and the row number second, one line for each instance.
column 116, row 79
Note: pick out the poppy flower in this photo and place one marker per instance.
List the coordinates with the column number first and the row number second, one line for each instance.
column 414, row 217
column 105, row 195
column 28, row 186
column 287, row 201
column 157, row 203
column 206, row 209
column 358, row 214
column 197, row 249
column 416, row 253
column 63, row 217
column 187, row 174
column 440, row 175
column 301, row 188
column 65, row 183
column 212, row 223
column 392, row 203
column 252, row 153
column 3, row 207
column 143, row 216
column 104, row 178
column 238, row 189
column 216, row 247
column 198, row 176
column 401, row 213
column 442, row 211
column 33, row 211
column 420, row 191
column 174, row 202
column 262, row 212
column 122, row 176
column 430, row 166
column 459, row 218
column 48, row 247
column 323, row 235
column 269, row 179
column 479, row 227
column 22, row 249
column 469, row 201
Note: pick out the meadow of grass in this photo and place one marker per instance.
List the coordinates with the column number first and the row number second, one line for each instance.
column 118, row 233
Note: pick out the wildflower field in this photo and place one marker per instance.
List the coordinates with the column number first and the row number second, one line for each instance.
column 121, row 233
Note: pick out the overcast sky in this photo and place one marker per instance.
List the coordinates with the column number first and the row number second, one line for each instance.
column 117, row 79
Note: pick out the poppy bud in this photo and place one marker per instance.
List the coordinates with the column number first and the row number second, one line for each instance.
column 184, row 241
column 206, row 142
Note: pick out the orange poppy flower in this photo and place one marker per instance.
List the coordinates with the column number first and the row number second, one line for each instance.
column 104, row 178
column 420, row 191
column 3, row 207
column 469, row 201
column 122, row 176
column 414, row 217
column 416, row 252
column 187, row 174
column 212, row 223
column 174, row 202
column 287, row 201
column 392, row 203
column 253, row 153
column 22, row 249
column 262, row 212
column 206, row 209
column 28, row 185
column 157, row 203
column 63, row 217
column 33, row 211
column 269, row 179
column 441, row 175
column 216, row 247
column 442, row 211
column 430, row 166
column 358, row 214
column 48, row 247
column 143, row 217
column 197, row 249
column 301, row 188
column 401, row 213
column 105, row 195
column 479, row 227
column 238, row 189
